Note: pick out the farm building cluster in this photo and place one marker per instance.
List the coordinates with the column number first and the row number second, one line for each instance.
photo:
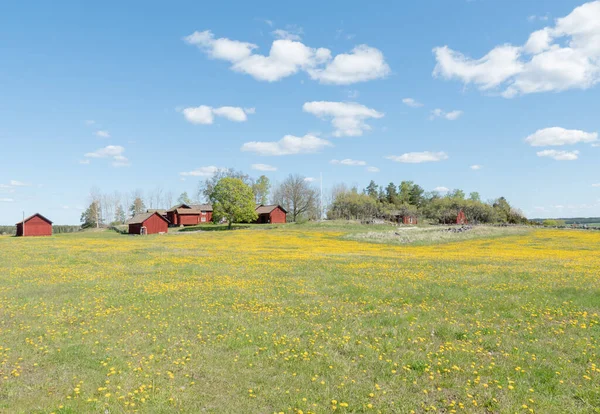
column 158, row 221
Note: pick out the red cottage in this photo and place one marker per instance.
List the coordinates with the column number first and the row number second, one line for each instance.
column 148, row 223
column 190, row 215
column 409, row 220
column 461, row 218
column 36, row 225
column 273, row 214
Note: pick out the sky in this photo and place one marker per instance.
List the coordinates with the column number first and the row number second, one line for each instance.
column 499, row 97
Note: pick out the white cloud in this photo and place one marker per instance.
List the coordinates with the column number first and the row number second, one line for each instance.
column 289, row 56
column 349, row 162
column 441, row 189
column 288, row 145
column 110, row 151
column 559, row 136
column 310, row 179
column 555, row 58
column 287, row 34
column 373, row 169
column 419, row 157
column 103, row 134
column 84, row 162
column 263, row 167
column 412, row 103
column 476, row 167
column 348, row 118
column 201, row 172
column 559, row 155
column 205, row 115
column 6, row 200
column 450, row 116
column 15, row 183
column 596, row 185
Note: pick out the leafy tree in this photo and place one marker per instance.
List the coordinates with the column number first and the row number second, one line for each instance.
column 261, row 189
column 371, row 190
column 206, row 187
column 351, row 205
column 90, row 217
column 416, row 196
column 390, row 193
column 120, row 215
column 137, row 207
column 405, row 189
column 457, row 194
column 474, row 196
column 184, row 198
column 233, row 200
column 297, row 196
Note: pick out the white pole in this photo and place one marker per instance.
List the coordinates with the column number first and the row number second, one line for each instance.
column 321, row 202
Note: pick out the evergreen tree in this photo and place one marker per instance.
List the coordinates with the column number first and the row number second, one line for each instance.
column 371, row 190
column 137, row 207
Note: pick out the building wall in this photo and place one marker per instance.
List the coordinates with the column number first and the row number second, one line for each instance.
column 206, row 217
column 172, row 217
column 278, row 216
column 188, row 219
column 35, row 227
column 154, row 224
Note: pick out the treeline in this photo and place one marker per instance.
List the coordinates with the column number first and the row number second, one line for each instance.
column 409, row 199
column 56, row 229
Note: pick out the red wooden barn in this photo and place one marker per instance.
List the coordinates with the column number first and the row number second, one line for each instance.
column 36, row 225
column 190, row 215
column 148, row 223
column 271, row 214
column 408, row 219
column 461, row 218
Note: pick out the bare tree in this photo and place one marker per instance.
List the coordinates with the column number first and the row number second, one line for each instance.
column 169, row 199
column 297, row 196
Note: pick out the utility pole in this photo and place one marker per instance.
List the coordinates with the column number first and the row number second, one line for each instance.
column 321, row 202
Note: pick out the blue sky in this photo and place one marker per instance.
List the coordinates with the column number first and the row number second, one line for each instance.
column 145, row 95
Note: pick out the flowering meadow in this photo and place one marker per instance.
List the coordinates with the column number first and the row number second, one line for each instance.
column 299, row 319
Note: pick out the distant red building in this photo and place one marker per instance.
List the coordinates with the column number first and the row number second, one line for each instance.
column 148, row 223
column 273, row 214
column 36, row 225
column 409, row 220
column 190, row 215
column 461, row 218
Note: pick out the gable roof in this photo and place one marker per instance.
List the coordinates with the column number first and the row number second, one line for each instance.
column 35, row 215
column 188, row 211
column 178, row 206
column 202, row 207
column 156, row 210
column 142, row 217
column 262, row 209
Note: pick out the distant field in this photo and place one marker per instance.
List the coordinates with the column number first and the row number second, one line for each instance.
column 300, row 319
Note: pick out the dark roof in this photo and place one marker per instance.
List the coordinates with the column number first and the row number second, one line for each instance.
column 156, row 210
column 178, row 206
column 142, row 217
column 187, row 211
column 202, row 207
column 261, row 209
column 35, row 215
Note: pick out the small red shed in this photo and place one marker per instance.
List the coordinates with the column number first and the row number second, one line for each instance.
column 36, row 225
column 461, row 218
column 408, row 219
column 148, row 223
column 273, row 214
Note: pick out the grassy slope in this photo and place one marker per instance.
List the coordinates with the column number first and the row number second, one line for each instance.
column 299, row 318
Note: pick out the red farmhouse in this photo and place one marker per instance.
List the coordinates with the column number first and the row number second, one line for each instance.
column 190, row 215
column 270, row 214
column 148, row 223
column 36, row 225
column 461, row 218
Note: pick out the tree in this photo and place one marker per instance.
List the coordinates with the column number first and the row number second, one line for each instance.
column 405, row 188
column 391, row 193
column 137, row 207
column 416, row 196
column 456, row 194
column 206, row 187
column 474, row 196
column 89, row 218
column 233, row 200
column 371, row 190
column 120, row 216
column 184, row 198
column 261, row 189
column 297, row 196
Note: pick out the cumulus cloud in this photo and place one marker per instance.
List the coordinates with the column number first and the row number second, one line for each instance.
column 476, row 167
column 205, row 115
column 450, row 116
column 596, row 185
column 288, row 56
column 16, row 183
column 349, row 162
column 310, row 179
column 559, row 155
column 556, row 58
column 263, row 167
column 287, row 34
column 6, row 200
column 412, row 103
column 115, row 152
column 418, row 157
column 201, row 172
column 441, row 189
column 348, row 118
column 288, row 145
column 103, row 134
column 373, row 169
column 560, row 136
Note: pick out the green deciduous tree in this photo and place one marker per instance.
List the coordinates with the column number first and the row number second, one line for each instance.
column 261, row 189
column 233, row 200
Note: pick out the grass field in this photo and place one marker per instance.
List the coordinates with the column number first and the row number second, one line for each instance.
column 299, row 319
